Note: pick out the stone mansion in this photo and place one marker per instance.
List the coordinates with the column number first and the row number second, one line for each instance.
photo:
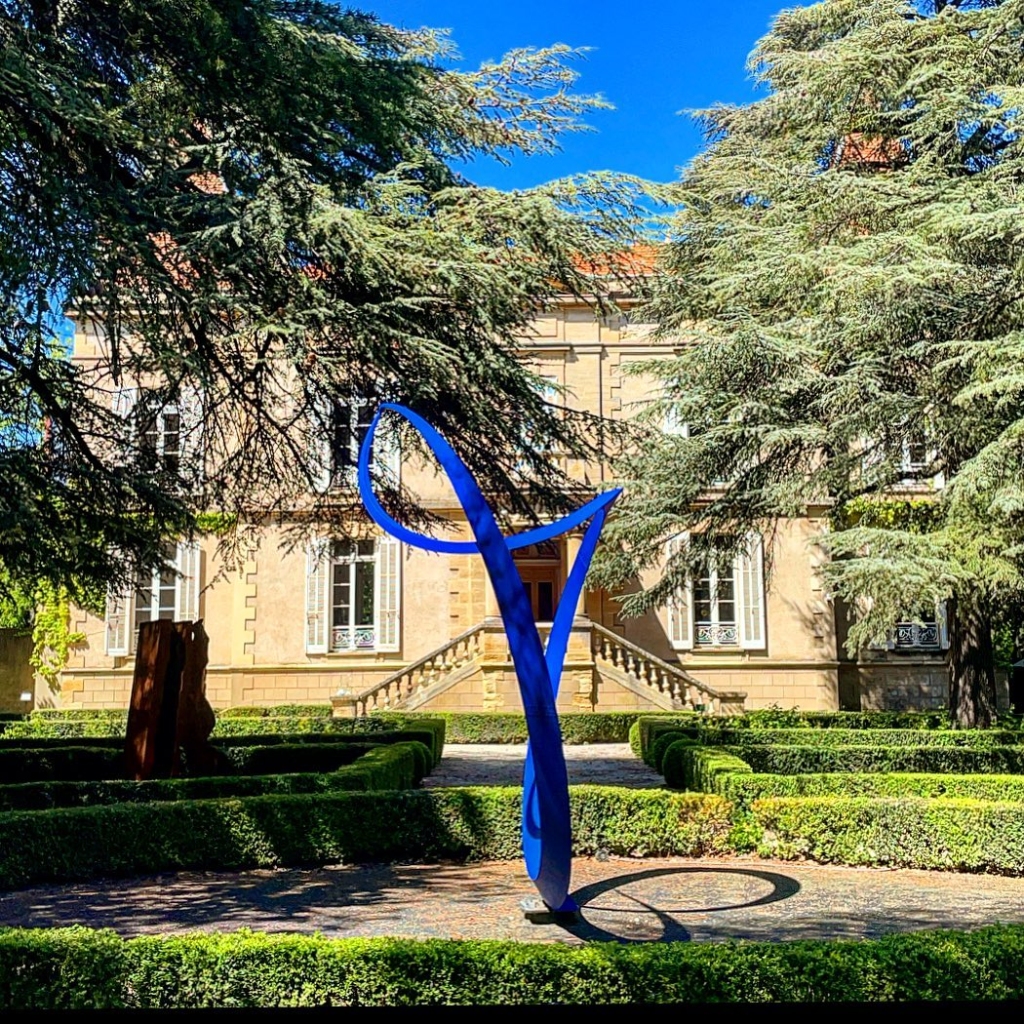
column 371, row 623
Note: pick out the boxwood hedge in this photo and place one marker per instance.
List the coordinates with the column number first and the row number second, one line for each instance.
column 76, row 968
column 397, row 766
column 745, row 788
column 66, row 844
column 975, row 739
column 701, row 769
column 912, row 832
column 780, row 760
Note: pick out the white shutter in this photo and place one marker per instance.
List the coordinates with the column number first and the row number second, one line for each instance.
column 750, row 591
column 318, row 569
column 680, row 605
column 190, row 412
column 186, row 587
column 118, row 622
column 389, row 593
column 321, row 424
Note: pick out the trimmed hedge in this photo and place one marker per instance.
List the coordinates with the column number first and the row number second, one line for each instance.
column 778, row 760
column 661, row 744
column 71, row 763
column 978, row 739
column 501, row 727
column 68, row 844
column 743, row 789
column 949, row 835
column 772, row 718
column 701, row 769
column 282, row 758
column 282, row 720
column 686, row 723
column 78, row 968
column 59, row 761
column 397, row 766
column 278, row 711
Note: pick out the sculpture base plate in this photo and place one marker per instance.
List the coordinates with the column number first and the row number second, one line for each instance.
column 536, row 911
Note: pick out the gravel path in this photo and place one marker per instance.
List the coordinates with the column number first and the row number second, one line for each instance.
column 485, row 764
column 623, row 900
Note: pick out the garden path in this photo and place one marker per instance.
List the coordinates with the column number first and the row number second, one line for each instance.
column 493, row 764
column 623, row 900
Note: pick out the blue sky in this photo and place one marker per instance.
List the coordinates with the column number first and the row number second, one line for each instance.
column 650, row 58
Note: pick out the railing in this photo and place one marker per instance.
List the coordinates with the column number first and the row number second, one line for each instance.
column 913, row 634
column 641, row 665
column 422, row 674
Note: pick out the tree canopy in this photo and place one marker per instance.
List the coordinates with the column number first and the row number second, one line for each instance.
column 844, row 275
column 268, row 203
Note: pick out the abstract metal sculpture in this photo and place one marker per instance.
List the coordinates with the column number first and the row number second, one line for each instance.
column 547, row 831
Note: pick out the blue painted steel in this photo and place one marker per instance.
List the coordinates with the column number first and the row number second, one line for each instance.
column 547, row 832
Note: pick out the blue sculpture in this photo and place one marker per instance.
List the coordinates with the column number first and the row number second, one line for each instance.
column 547, row 831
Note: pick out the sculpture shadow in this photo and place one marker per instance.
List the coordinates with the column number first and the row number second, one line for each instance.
column 783, row 887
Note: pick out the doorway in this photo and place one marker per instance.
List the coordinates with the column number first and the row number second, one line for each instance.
column 541, row 585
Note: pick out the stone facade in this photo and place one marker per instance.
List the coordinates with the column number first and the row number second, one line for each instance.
column 258, row 619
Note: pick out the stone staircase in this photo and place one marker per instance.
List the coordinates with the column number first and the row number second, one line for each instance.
column 483, row 649
column 668, row 686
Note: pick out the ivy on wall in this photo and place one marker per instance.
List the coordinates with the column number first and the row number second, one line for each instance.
column 52, row 637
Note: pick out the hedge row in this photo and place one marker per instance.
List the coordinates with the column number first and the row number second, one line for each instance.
column 949, row 835
column 398, row 766
column 777, row 760
column 71, row 763
column 701, row 769
column 77, row 968
column 68, row 844
column 318, row 757
column 59, row 761
column 506, row 727
column 976, row 739
column 486, row 727
column 743, row 787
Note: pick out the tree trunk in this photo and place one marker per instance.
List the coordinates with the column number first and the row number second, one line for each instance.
column 972, row 678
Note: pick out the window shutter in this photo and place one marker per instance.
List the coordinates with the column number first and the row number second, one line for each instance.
column 190, row 411
column 943, row 620
column 680, row 605
column 122, row 403
column 318, row 569
column 389, row 593
column 674, row 426
column 750, row 590
column 186, row 596
column 118, row 622
column 388, row 455
column 321, row 426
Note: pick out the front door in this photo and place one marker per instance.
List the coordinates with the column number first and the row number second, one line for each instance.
column 541, row 585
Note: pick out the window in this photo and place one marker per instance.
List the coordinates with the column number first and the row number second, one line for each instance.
column 337, row 437
column 723, row 606
column 352, row 595
column 159, row 435
column 171, row 592
column 675, row 427
column 714, row 606
column 926, row 632
column 164, row 435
